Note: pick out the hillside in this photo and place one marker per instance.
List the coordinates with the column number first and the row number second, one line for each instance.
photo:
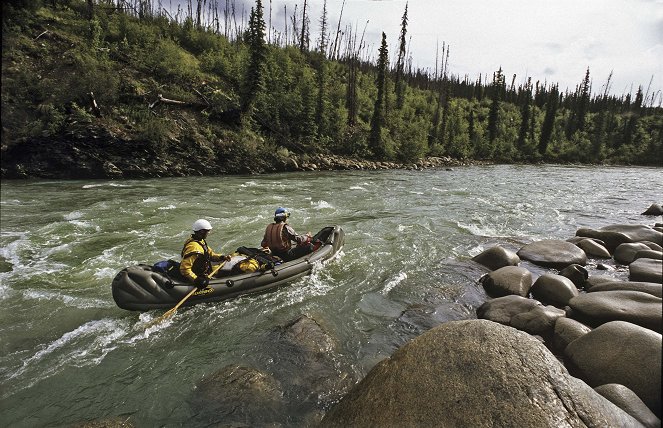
column 117, row 95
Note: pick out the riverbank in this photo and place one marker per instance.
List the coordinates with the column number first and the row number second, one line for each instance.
column 98, row 153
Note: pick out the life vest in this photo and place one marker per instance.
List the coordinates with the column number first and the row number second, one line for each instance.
column 274, row 238
column 202, row 265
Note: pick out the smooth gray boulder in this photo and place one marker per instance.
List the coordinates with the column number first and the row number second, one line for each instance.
column 644, row 287
column 497, row 257
column 576, row 273
column 652, row 245
column 566, row 331
column 238, row 394
column 654, row 209
column 507, row 280
column 553, row 289
column 618, row 234
column 553, row 253
column 629, row 402
column 648, row 254
column 527, row 315
column 625, row 253
column 601, row 307
column 623, row 353
column 593, row 248
column 646, row 270
column 473, row 373
column 594, row 280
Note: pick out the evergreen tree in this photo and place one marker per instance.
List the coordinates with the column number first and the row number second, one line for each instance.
column 549, row 119
column 633, row 116
column 583, row 102
column 254, row 78
column 498, row 85
column 400, row 63
column 320, row 72
column 525, row 115
column 376, row 142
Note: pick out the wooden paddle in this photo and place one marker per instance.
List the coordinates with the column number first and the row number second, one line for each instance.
column 170, row 312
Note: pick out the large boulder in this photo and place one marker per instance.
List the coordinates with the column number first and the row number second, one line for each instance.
column 528, row 315
column 601, row 307
column 644, row 287
column 238, row 394
column 496, row 257
column 593, row 249
column 625, row 253
column 654, row 209
column 646, row 270
column 473, row 373
column 553, row 254
column 507, row 280
column 648, row 254
column 618, row 234
column 629, row 402
column 623, row 353
column 554, row 290
column 576, row 273
column 566, row 331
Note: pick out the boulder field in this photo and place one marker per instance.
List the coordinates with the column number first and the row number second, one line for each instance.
column 561, row 347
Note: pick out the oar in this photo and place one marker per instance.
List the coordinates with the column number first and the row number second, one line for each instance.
column 170, row 312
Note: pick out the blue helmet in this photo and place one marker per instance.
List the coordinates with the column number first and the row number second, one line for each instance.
column 281, row 213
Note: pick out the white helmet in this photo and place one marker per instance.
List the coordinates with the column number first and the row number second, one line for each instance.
column 201, row 224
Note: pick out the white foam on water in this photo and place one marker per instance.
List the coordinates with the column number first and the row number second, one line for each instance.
column 92, row 186
column 400, row 277
column 86, row 345
column 74, row 215
column 321, row 205
column 74, row 301
column 358, row 188
column 168, row 207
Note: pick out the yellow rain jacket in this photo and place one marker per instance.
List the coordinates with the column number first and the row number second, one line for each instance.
column 197, row 259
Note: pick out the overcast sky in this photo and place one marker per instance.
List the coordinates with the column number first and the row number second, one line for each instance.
column 548, row 40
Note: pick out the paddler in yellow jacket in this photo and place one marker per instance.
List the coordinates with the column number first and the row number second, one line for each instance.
column 197, row 257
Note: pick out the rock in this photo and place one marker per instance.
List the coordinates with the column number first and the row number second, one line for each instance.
column 623, row 353
column 647, row 270
column 654, row 209
column 553, row 253
column 473, row 373
column 497, row 257
column 115, row 422
column 238, row 394
column 598, row 279
column 576, row 273
column 652, row 245
column 593, row 248
column 644, row 287
column 554, row 290
column 629, row 402
column 648, row 254
column 601, row 307
column 508, row 280
column 524, row 314
column 622, row 233
column 566, row 331
column 625, row 253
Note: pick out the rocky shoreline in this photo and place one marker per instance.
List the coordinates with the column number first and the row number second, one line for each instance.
column 97, row 153
column 554, row 345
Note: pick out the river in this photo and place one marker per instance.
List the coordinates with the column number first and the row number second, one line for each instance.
column 69, row 354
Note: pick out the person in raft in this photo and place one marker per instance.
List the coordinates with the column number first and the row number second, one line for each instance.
column 197, row 257
column 279, row 237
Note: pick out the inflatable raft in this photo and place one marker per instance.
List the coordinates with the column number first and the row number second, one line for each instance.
column 142, row 287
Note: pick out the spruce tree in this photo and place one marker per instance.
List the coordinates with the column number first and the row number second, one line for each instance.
column 549, row 119
column 255, row 72
column 498, row 85
column 376, row 143
column 525, row 115
column 400, row 63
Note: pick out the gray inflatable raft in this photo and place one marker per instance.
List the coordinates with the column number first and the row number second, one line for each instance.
column 142, row 288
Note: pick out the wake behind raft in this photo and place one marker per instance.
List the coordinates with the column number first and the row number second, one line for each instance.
column 143, row 287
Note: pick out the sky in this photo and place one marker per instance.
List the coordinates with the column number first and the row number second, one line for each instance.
column 548, row 40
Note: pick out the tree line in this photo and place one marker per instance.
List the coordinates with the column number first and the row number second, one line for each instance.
column 283, row 91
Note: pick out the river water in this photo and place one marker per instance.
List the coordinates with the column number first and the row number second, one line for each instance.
column 69, row 354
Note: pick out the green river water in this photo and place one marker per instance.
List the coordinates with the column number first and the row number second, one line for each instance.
column 68, row 354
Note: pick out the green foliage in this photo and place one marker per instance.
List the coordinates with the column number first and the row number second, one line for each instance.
column 289, row 101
